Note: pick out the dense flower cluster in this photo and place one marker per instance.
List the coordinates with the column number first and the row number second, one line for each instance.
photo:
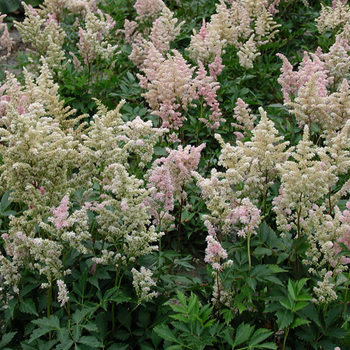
column 243, row 24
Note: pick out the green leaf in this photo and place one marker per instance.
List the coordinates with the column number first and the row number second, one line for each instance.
column 193, row 305
column 284, row 318
column 243, row 333
column 259, row 336
column 91, row 341
column 79, row 315
column 165, row 332
column 6, row 339
column 299, row 322
column 28, row 306
column 5, row 202
column 182, row 298
column 291, row 291
column 91, row 327
column 52, row 323
column 66, row 346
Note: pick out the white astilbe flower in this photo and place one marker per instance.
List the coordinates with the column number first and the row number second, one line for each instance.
column 94, row 37
column 324, row 233
column 110, row 140
column 339, row 106
column 324, row 291
column 164, row 30
column 247, row 53
column 123, row 218
column 333, row 17
column 337, row 60
column 317, row 93
column 310, row 106
column 304, row 181
column 44, row 33
column 143, row 282
column 160, row 34
column 244, row 118
column 252, row 165
column 148, row 10
column 205, row 45
column 229, row 215
column 243, row 24
column 62, row 296
column 231, row 23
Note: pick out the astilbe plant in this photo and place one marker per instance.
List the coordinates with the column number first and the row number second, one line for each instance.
column 42, row 30
column 6, row 42
column 88, row 199
column 46, row 161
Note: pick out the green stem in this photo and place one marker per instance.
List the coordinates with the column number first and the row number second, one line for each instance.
column 248, row 251
column 285, row 339
column 346, row 295
column 113, row 303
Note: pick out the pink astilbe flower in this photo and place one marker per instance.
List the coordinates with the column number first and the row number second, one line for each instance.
column 130, row 31
column 311, row 66
column 6, row 42
column 170, row 89
column 245, row 216
column 161, row 201
column 207, row 88
column 288, row 79
column 214, row 253
column 345, row 239
column 181, row 163
column 61, row 213
column 216, row 67
column 169, row 178
column 148, row 9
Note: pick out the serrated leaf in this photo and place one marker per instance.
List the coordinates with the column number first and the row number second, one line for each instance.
column 193, row 305
column 28, row 306
column 284, row 318
column 182, row 298
column 6, row 339
column 66, row 346
column 37, row 333
column 79, row 315
column 52, row 323
column 263, row 346
column 91, row 341
column 165, row 332
column 5, row 202
column 91, row 327
column 299, row 322
column 243, row 333
column 181, row 318
column 291, row 291
column 300, row 305
column 276, row 269
column 259, row 336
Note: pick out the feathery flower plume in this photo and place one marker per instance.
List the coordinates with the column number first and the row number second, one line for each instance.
column 6, row 42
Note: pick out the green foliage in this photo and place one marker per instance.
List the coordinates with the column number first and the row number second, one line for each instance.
column 9, row 6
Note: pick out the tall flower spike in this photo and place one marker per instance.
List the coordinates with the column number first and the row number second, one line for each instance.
column 170, row 89
column 304, row 181
column 6, row 42
column 207, row 87
column 253, row 165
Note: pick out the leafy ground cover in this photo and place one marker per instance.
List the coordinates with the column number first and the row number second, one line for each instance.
column 175, row 175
